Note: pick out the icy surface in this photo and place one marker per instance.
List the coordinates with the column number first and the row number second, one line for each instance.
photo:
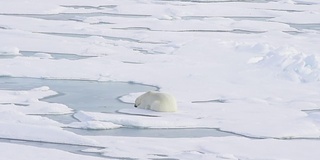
column 28, row 152
column 94, row 125
column 29, row 102
column 216, row 148
column 249, row 68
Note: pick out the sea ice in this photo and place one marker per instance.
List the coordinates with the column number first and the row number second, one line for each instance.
column 260, row 58
column 94, row 125
column 8, row 51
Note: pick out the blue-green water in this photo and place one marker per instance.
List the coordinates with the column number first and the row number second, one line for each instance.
column 82, row 95
column 97, row 96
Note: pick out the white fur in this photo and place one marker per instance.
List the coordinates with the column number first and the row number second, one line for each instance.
column 156, row 101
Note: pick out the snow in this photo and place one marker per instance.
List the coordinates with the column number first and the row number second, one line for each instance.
column 210, row 148
column 307, row 17
column 223, row 116
column 17, row 109
column 247, row 68
column 28, row 102
column 41, row 133
column 94, row 125
column 293, row 64
column 9, row 51
column 29, row 152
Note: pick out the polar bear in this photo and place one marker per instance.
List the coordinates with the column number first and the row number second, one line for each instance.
column 156, row 101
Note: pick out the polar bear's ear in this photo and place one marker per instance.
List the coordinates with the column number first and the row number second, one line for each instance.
column 152, row 92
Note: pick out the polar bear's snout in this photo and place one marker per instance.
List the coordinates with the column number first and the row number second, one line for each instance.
column 156, row 101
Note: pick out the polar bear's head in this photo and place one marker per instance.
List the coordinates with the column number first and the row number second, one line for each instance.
column 137, row 102
column 139, row 99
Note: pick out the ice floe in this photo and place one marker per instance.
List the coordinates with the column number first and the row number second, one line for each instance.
column 7, row 51
column 94, row 125
column 29, row 102
column 217, row 148
column 247, row 68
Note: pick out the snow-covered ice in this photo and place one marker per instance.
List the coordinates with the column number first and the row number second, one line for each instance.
column 94, row 125
column 248, row 68
column 216, row 148
column 29, row 102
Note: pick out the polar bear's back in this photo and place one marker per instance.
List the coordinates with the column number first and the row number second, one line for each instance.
column 157, row 101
